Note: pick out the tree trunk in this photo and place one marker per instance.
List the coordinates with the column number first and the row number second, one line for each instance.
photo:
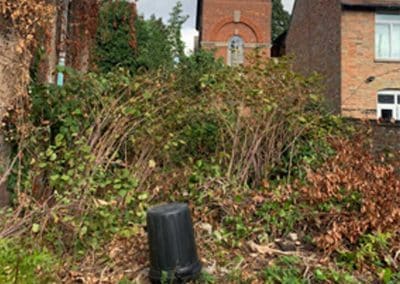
column 8, row 82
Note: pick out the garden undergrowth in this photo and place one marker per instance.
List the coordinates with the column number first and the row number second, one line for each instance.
column 281, row 191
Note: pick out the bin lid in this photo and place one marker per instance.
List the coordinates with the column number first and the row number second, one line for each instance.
column 168, row 209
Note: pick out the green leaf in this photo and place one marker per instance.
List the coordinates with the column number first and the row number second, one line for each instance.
column 49, row 152
column 42, row 165
column 83, row 231
column 35, row 228
column 122, row 193
column 386, row 275
column 319, row 275
column 147, row 95
column 53, row 157
column 59, row 139
column 54, row 178
column 77, row 112
column 65, row 178
column 302, row 119
column 143, row 196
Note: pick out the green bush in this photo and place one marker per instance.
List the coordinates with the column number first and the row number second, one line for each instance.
column 106, row 146
column 75, row 162
column 116, row 44
column 372, row 250
column 26, row 264
column 154, row 48
column 126, row 40
column 112, row 136
column 193, row 70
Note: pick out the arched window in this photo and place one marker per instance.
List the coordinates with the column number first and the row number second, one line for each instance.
column 235, row 51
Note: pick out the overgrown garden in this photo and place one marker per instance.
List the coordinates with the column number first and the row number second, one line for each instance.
column 281, row 190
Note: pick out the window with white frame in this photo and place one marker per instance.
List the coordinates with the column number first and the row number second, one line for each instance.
column 235, row 51
column 388, row 105
column 387, row 36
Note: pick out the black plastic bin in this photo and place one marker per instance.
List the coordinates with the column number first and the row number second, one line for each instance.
column 173, row 255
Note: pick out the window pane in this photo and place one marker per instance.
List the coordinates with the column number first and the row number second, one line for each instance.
column 386, row 99
column 387, row 114
column 396, row 41
column 388, row 17
column 382, row 41
column 236, row 51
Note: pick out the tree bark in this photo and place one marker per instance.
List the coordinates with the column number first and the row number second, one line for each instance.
column 8, row 82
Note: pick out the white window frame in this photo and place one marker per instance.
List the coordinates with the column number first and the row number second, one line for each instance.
column 395, row 107
column 391, row 23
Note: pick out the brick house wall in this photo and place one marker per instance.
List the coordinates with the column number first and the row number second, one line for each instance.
column 359, row 98
column 219, row 20
column 313, row 40
column 337, row 40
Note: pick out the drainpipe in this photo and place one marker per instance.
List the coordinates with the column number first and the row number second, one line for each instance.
column 63, row 45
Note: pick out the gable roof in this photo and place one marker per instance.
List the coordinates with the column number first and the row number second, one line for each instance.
column 372, row 3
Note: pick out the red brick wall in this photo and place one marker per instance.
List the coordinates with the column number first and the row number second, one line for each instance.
column 340, row 45
column 358, row 63
column 314, row 42
column 218, row 24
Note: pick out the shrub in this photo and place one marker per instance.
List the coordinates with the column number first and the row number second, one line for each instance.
column 360, row 195
column 154, row 49
column 116, row 44
column 105, row 146
column 74, row 162
column 24, row 264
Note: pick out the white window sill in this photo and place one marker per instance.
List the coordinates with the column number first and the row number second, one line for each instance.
column 387, row 60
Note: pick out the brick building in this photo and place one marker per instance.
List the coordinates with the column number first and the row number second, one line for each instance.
column 233, row 27
column 355, row 45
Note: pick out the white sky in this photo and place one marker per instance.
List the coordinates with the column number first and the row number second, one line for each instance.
column 162, row 8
